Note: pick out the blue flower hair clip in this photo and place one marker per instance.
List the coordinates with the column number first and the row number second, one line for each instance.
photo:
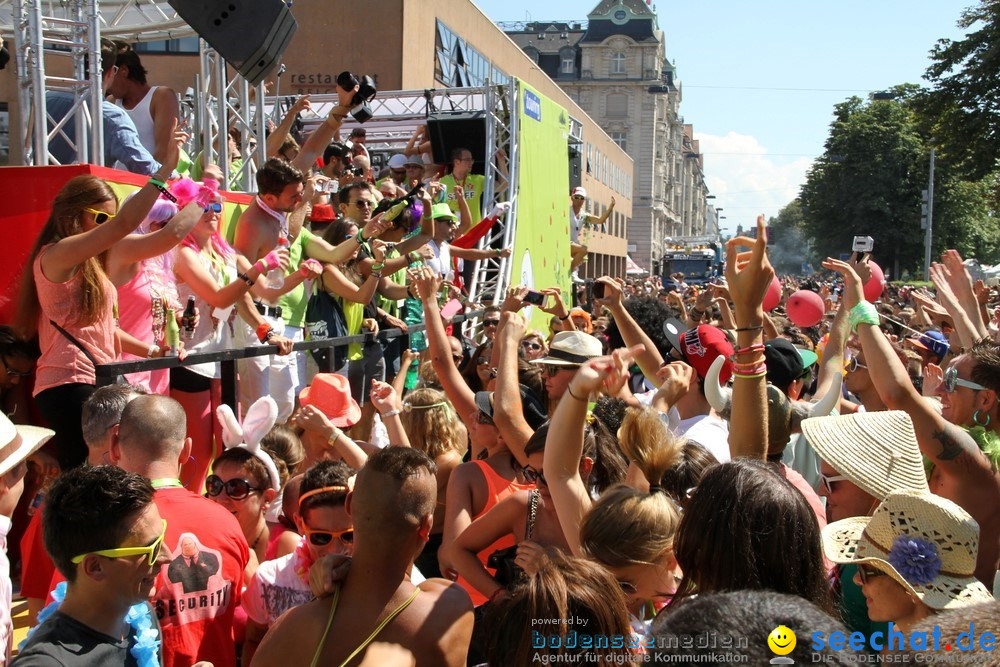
column 916, row 559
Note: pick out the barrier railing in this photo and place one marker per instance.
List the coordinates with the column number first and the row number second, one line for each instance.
column 106, row 373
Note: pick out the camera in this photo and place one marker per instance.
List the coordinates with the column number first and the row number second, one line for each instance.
column 598, row 292
column 331, row 186
column 360, row 110
column 534, row 298
column 862, row 244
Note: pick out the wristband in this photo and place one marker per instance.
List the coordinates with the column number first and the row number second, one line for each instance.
column 334, row 436
column 264, row 331
column 569, row 390
column 245, row 278
column 375, row 274
column 759, row 327
column 378, row 268
column 564, row 318
column 360, row 237
column 153, row 349
column 753, row 369
column 413, row 257
column 750, row 377
column 863, row 313
column 759, row 347
column 162, row 187
column 391, row 413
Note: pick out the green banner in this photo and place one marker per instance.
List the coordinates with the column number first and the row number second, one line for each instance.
column 541, row 243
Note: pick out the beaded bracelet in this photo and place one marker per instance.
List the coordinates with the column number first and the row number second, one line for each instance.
column 863, row 313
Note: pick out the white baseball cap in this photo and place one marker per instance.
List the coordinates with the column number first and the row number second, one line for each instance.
column 578, row 191
column 397, row 161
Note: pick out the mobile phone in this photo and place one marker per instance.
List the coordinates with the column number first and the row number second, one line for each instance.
column 534, row 298
column 599, row 288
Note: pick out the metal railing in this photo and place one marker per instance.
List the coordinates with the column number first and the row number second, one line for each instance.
column 107, row 373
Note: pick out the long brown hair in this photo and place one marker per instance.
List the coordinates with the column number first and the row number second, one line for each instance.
column 64, row 221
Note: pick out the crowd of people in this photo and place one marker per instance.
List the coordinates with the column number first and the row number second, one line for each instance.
column 665, row 460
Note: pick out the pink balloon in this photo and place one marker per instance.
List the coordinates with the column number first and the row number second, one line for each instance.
column 876, row 284
column 805, row 308
column 773, row 296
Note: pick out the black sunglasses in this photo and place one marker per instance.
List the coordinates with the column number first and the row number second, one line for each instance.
column 14, row 373
column 533, row 476
column 236, row 488
column 865, row 573
column 491, row 323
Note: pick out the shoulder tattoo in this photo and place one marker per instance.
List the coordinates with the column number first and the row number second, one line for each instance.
column 951, row 448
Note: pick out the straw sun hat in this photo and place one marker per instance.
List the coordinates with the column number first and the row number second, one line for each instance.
column 926, row 543
column 878, row 451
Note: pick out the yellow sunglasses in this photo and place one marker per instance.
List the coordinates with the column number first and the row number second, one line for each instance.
column 100, row 217
column 151, row 551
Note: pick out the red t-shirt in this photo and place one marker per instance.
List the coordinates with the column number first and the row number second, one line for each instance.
column 198, row 591
column 36, row 566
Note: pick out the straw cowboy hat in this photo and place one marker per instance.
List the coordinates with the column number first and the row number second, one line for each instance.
column 19, row 442
column 876, row 450
column 926, row 543
column 571, row 348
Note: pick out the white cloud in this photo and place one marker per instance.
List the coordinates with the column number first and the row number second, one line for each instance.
column 745, row 180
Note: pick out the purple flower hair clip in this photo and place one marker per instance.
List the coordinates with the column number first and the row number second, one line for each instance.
column 916, row 559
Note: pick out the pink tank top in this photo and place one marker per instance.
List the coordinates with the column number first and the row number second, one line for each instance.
column 136, row 302
column 61, row 361
column 499, row 488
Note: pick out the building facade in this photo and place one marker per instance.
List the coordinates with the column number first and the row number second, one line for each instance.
column 615, row 67
column 412, row 45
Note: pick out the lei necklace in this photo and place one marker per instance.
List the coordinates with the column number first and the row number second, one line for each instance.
column 147, row 640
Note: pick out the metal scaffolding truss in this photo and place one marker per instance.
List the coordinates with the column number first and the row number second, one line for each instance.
column 71, row 34
column 396, row 114
column 129, row 20
column 222, row 103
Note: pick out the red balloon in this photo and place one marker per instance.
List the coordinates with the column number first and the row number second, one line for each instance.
column 805, row 308
column 773, row 296
column 876, row 284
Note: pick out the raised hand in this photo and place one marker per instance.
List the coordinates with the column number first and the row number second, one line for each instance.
column 384, row 397
column 749, row 274
column 514, row 301
column 612, row 293
column 558, row 307
column 427, row 283
column 853, row 291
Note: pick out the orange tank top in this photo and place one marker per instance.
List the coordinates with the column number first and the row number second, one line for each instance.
column 499, row 488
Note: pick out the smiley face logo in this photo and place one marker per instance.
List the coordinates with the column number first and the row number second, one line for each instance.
column 781, row 640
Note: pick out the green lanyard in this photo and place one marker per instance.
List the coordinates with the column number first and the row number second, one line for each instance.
column 166, row 483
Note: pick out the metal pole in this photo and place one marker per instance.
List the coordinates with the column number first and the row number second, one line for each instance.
column 930, row 222
column 96, row 90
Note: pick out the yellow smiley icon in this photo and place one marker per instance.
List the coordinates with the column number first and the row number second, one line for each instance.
column 781, row 640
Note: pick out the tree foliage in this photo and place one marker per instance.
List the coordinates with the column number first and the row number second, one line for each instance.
column 962, row 108
column 787, row 243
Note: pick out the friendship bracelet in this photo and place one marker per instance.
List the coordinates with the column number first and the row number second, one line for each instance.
column 245, row 278
column 759, row 368
column 749, row 377
column 863, row 313
column 759, row 347
column 569, row 391
column 749, row 364
column 759, row 327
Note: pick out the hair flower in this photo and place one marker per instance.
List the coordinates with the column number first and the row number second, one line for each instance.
column 915, row 558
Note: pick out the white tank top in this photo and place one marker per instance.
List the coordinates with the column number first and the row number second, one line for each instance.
column 143, row 120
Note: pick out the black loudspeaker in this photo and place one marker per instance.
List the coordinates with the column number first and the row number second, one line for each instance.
column 250, row 35
column 459, row 129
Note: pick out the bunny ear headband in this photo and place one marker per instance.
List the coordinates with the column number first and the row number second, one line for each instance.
column 258, row 421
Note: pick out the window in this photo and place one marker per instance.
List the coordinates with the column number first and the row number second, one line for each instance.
column 590, row 158
column 183, row 45
column 457, row 63
column 618, row 63
column 617, row 105
column 618, row 138
column 567, row 60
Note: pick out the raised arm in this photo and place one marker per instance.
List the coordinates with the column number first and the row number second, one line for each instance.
column 455, row 388
column 961, row 284
column 321, row 136
column 648, row 358
column 386, row 401
column 952, row 450
column 135, row 248
column 507, row 412
column 604, row 216
column 59, row 262
column 749, row 274
column 833, row 352
column 165, row 112
column 964, row 325
column 280, row 133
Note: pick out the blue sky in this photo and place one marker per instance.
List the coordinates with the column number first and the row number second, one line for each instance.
column 734, row 56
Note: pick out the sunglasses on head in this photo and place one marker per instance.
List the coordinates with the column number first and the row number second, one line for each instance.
column 952, row 381
column 151, row 551
column 484, row 419
column 213, row 207
column 100, row 217
column 321, row 538
column 236, row 488
column 865, row 573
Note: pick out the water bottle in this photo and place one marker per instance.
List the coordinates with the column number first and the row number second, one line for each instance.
column 173, row 333
column 187, row 319
column 276, row 276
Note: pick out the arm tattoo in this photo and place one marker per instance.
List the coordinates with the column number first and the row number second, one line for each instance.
column 950, row 447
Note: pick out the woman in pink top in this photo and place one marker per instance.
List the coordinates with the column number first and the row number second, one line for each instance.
column 137, row 266
column 66, row 288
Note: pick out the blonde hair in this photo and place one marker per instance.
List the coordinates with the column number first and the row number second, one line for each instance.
column 653, row 519
column 432, row 430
